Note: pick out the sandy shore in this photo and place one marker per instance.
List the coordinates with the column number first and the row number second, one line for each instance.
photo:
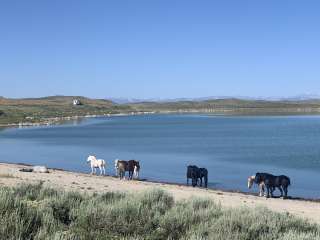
column 11, row 176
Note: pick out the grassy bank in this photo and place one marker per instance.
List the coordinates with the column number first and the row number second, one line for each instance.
column 35, row 212
column 40, row 110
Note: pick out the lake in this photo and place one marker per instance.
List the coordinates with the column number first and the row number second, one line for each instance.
column 230, row 147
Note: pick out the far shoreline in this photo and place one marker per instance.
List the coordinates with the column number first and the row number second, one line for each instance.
column 62, row 120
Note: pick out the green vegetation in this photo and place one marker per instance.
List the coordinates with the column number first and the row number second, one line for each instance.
column 39, row 110
column 35, row 212
column 42, row 110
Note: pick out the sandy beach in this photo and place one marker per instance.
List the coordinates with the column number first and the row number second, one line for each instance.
column 11, row 176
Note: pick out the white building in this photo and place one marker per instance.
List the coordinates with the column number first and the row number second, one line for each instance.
column 76, row 102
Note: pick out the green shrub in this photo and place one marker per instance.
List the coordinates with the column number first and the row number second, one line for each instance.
column 36, row 212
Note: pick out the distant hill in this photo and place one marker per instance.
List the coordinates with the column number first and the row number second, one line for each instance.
column 233, row 106
column 39, row 109
column 302, row 97
column 55, row 100
column 13, row 111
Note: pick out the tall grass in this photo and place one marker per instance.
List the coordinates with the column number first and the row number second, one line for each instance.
column 35, row 212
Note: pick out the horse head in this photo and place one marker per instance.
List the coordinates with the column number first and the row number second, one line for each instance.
column 251, row 181
column 137, row 165
column 91, row 158
column 116, row 162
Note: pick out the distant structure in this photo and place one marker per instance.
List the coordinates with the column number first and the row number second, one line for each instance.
column 76, row 102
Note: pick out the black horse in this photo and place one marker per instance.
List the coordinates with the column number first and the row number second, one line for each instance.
column 203, row 172
column 271, row 182
column 192, row 173
column 195, row 174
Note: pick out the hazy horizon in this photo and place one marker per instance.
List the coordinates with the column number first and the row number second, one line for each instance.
column 307, row 96
column 159, row 49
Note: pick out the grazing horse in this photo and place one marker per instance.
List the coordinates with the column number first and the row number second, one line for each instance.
column 251, row 180
column 121, row 167
column 192, row 173
column 97, row 163
column 203, row 173
column 195, row 174
column 131, row 166
column 271, row 182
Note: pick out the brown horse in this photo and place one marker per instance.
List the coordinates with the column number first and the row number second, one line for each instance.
column 131, row 166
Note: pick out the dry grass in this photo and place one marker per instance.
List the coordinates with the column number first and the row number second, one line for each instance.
column 6, row 175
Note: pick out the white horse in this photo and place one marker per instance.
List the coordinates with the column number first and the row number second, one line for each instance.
column 97, row 163
column 261, row 185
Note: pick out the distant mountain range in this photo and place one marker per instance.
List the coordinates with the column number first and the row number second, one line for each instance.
column 302, row 97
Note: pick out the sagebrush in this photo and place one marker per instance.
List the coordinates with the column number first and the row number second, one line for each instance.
column 36, row 212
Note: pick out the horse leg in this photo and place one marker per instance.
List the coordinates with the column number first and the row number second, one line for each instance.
column 136, row 174
column 285, row 188
column 268, row 191
column 281, row 192
column 261, row 190
column 194, row 182
column 272, row 189
column 206, row 181
column 201, row 182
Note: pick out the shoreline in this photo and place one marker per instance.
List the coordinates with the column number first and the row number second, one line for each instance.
column 305, row 199
column 61, row 120
column 75, row 181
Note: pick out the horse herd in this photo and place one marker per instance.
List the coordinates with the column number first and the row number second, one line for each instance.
column 267, row 182
column 121, row 167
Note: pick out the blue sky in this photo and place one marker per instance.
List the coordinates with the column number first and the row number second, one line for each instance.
column 154, row 48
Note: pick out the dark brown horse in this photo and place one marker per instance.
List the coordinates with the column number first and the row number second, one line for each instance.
column 271, row 182
column 131, row 166
column 196, row 174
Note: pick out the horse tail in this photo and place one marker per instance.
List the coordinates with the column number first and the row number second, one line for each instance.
column 206, row 179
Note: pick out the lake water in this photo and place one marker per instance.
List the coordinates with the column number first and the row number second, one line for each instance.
column 230, row 147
